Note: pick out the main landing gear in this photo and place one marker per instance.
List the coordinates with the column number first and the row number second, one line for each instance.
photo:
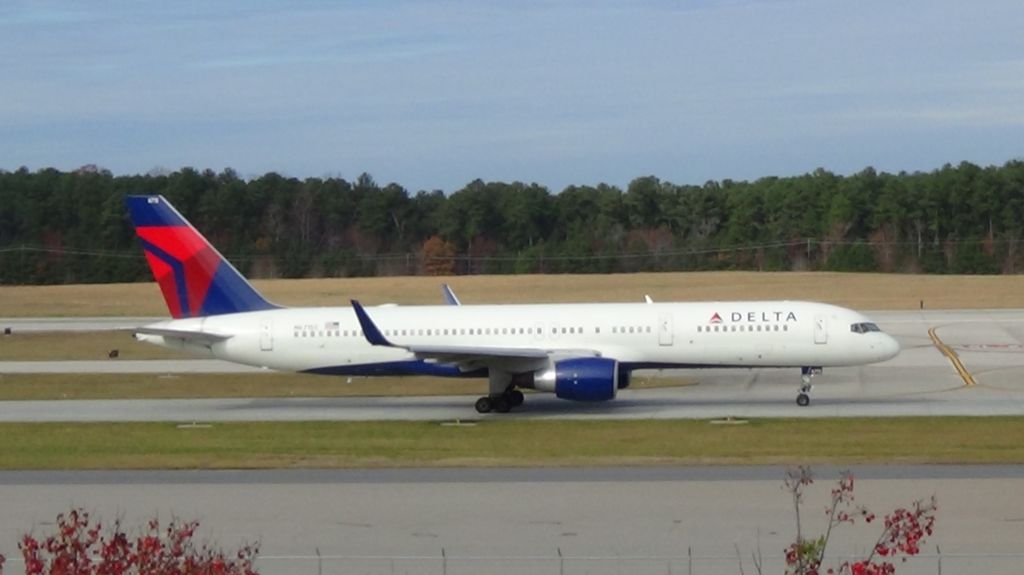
column 501, row 402
column 503, row 394
column 803, row 399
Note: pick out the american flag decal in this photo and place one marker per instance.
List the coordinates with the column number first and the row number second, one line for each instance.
column 331, row 325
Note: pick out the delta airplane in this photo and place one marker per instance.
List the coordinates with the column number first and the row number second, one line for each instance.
column 583, row 352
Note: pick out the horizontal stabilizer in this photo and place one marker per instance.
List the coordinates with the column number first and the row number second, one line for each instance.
column 202, row 337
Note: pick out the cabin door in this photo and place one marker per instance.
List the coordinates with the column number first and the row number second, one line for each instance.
column 266, row 336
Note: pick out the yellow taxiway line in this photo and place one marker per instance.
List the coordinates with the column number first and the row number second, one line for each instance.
column 953, row 357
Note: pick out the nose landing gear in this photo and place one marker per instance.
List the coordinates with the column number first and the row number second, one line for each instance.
column 803, row 399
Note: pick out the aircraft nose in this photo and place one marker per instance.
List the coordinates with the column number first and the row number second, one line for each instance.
column 888, row 347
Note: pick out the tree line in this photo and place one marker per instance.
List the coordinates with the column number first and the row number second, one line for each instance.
column 72, row 227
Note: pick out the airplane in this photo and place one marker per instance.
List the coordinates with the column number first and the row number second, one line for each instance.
column 578, row 351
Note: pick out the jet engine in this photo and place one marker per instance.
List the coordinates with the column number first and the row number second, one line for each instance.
column 578, row 379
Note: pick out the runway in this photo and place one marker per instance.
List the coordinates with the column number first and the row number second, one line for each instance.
column 520, row 520
column 920, row 381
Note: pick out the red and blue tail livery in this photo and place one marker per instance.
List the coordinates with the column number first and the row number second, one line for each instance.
column 196, row 281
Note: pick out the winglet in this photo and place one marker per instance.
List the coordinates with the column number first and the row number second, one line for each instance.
column 370, row 329
column 449, row 296
column 647, row 299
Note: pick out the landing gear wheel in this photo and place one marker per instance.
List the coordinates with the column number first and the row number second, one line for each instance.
column 484, row 405
column 806, row 373
column 515, row 398
column 501, row 404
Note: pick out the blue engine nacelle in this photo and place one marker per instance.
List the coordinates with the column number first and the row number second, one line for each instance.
column 581, row 379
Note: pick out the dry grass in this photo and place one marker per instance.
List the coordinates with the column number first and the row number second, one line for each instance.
column 65, row 346
column 32, row 386
column 510, row 442
column 859, row 291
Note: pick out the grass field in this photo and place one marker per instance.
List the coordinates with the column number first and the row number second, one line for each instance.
column 511, row 443
column 859, row 291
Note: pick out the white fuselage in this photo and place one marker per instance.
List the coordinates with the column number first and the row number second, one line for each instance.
column 637, row 335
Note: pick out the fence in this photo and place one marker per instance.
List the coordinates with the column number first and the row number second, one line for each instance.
column 558, row 563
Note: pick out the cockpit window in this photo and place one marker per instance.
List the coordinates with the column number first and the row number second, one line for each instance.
column 863, row 327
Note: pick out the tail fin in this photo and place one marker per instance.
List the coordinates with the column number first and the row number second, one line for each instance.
column 195, row 279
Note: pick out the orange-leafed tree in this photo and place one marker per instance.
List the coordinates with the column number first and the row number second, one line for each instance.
column 438, row 257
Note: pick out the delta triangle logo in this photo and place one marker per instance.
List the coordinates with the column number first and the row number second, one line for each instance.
column 716, row 318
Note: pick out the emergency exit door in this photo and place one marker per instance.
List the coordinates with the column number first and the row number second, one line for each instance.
column 665, row 334
column 821, row 328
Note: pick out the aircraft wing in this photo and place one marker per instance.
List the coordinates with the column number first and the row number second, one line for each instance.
column 467, row 355
column 201, row 337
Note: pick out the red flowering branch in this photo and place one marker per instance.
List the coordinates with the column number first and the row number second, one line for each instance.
column 80, row 547
column 905, row 530
column 903, row 534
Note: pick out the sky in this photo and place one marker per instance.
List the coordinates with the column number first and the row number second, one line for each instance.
column 433, row 95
